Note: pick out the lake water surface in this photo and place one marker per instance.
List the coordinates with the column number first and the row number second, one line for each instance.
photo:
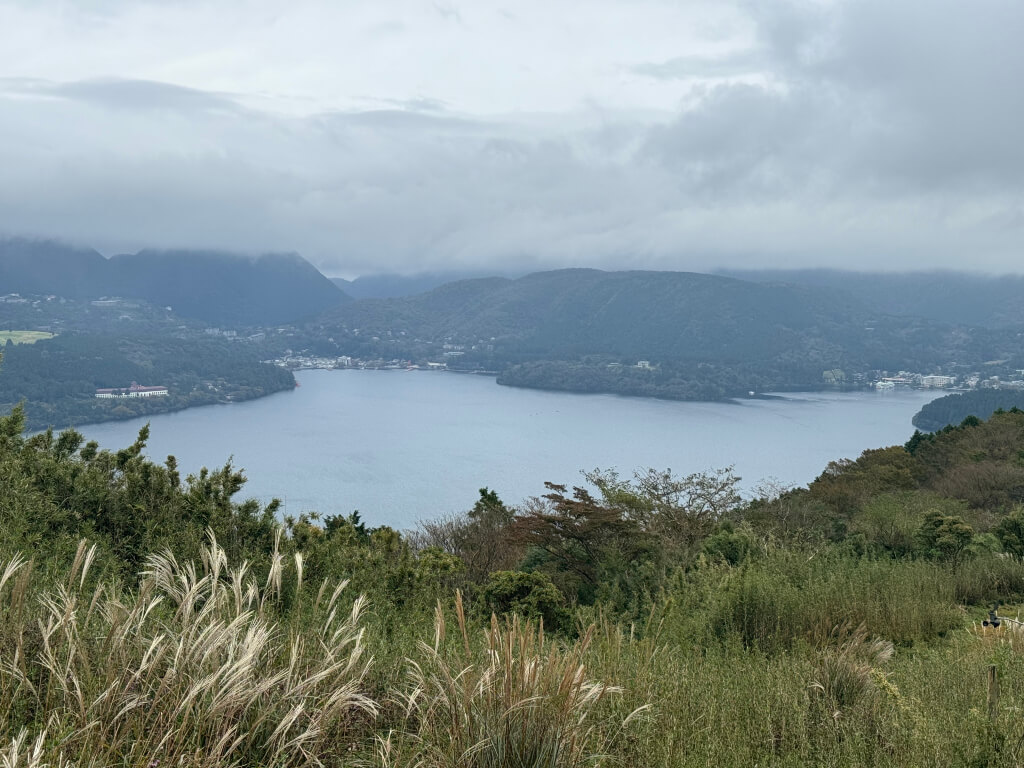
column 402, row 447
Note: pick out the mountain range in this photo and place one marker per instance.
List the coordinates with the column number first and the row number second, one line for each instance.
column 677, row 316
column 800, row 325
column 218, row 288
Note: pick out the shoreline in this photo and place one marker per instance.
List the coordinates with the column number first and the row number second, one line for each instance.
column 36, row 430
column 733, row 400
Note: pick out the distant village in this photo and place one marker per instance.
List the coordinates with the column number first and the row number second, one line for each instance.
column 304, row 362
column 911, row 380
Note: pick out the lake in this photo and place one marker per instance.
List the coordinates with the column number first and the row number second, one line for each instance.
column 406, row 446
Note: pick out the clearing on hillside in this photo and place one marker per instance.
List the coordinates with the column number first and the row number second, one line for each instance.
column 23, row 337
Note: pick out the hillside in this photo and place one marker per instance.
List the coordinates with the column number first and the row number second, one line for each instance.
column 580, row 311
column 218, row 288
column 56, row 378
column 563, row 329
column 949, row 297
column 953, row 409
column 227, row 289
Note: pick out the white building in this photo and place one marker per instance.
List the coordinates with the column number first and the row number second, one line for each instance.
column 133, row 391
column 937, row 382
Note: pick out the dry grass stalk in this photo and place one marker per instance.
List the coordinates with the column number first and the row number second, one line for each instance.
column 194, row 668
column 844, row 673
column 522, row 702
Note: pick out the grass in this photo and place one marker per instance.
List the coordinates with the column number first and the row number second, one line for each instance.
column 519, row 701
column 23, row 337
column 787, row 661
column 193, row 668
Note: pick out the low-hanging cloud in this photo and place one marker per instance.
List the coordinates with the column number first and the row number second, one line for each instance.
column 848, row 134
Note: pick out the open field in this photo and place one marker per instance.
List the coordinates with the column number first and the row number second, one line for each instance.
column 24, row 337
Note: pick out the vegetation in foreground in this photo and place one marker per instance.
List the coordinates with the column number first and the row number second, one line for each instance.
column 153, row 620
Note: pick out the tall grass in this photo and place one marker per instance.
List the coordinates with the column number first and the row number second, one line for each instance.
column 194, row 667
column 791, row 596
column 519, row 701
column 211, row 663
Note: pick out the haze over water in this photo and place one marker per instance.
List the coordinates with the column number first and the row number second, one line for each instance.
column 402, row 447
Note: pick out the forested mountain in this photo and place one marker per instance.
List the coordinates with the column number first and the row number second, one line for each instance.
column 705, row 336
column 585, row 311
column 953, row 409
column 219, row 288
column 46, row 267
column 228, row 289
column 950, row 297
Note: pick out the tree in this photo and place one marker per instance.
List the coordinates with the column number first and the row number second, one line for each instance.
column 944, row 537
column 680, row 511
column 480, row 537
column 1010, row 532
column 531, row 595
column 576, row 534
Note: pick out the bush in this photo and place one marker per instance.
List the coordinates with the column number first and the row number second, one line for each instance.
column 530, row 595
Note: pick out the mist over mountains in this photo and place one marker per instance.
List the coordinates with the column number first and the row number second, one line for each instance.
column 389, row 286
column 216, row 287
column 959, row 298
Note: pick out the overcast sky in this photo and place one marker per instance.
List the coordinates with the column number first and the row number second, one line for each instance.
column 400, row 136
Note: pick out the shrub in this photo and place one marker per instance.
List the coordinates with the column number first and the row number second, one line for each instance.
column 530, row 595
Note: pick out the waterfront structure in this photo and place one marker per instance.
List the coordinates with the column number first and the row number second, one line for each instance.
column 135, row 390
column 937, row 382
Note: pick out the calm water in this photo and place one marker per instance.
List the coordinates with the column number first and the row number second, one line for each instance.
column 402, row 447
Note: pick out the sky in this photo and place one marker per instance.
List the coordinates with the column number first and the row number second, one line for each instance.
column 403, row 137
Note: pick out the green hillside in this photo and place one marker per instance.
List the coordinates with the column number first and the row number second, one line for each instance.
column 57, row 378
column 953, row 409
column 704, row 335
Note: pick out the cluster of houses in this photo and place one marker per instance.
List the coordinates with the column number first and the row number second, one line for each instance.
column 906, row 379
column 916, row 380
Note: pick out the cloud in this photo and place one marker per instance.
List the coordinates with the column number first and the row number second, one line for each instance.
column 745, row 63
column 827, row 133
column 113, row 93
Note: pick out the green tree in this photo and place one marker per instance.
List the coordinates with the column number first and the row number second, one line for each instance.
column 944, row 537
column 531, row 595
column 584, row 544
column 1010, row 532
